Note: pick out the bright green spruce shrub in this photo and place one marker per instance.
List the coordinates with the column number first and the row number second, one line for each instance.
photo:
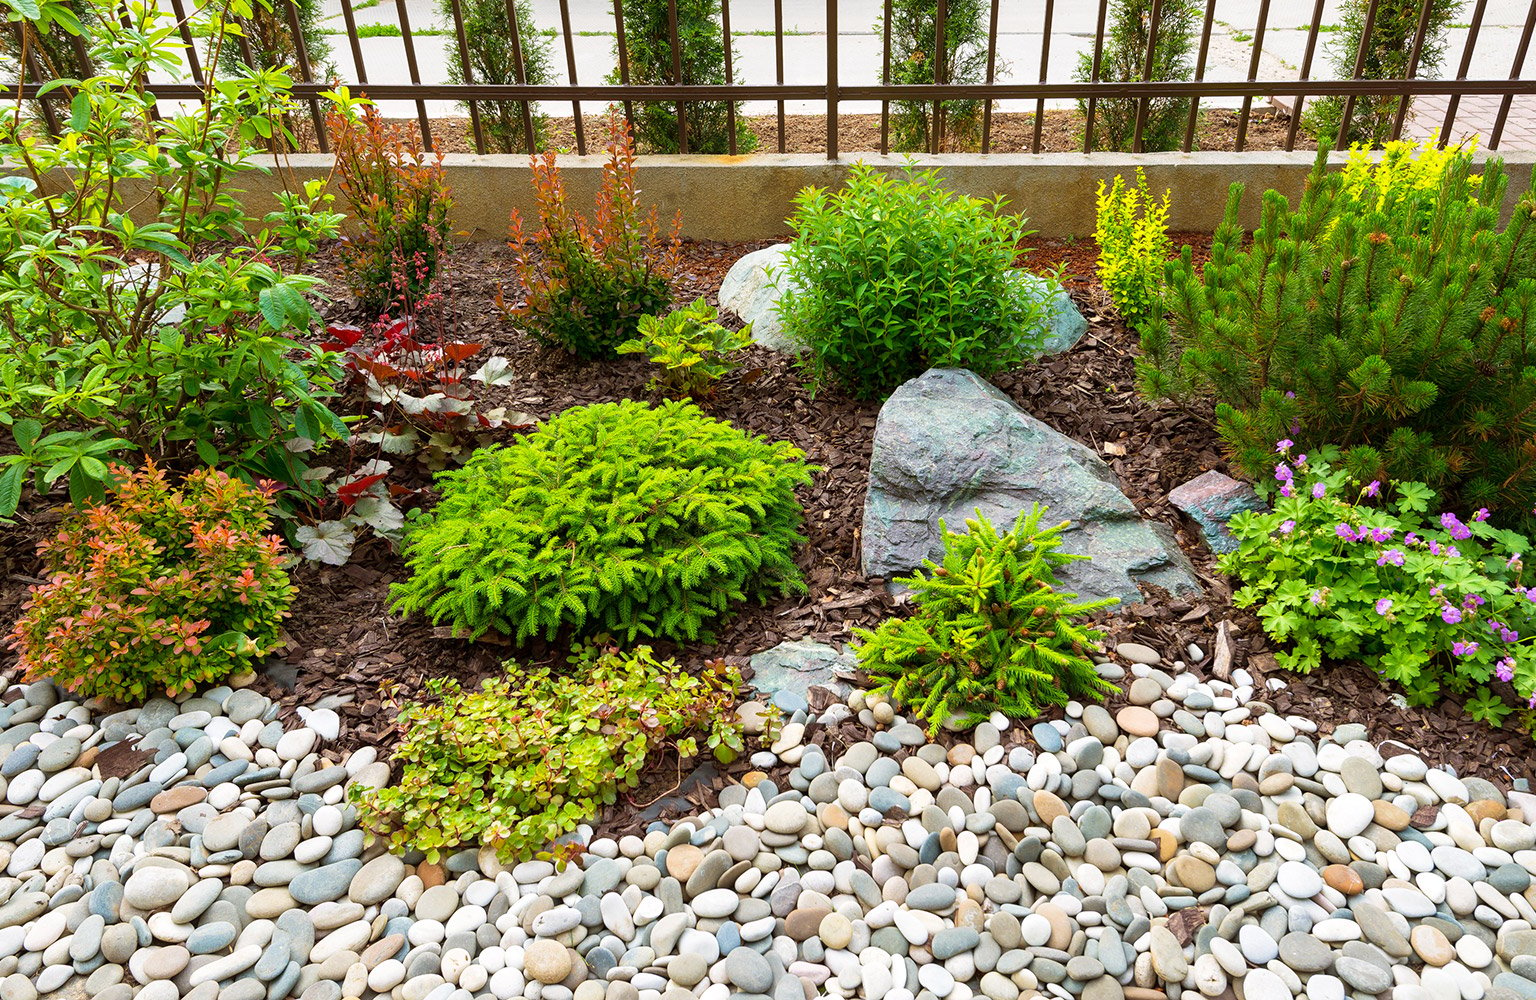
column 1132, row 233
column 914, row 33
column 1343, row 570
column 619, row 518
column 532, row 754
column 898, row 275
column 1400, row 328
column 990, row 631
column 159, row 590
column 692, row 350
column 1124, row 59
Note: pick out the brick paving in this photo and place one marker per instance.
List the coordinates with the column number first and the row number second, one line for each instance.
column 1476, row 115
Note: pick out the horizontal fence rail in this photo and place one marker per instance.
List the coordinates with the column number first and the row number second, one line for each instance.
column 479, row 97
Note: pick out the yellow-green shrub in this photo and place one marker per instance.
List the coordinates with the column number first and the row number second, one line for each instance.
column 1132, row 231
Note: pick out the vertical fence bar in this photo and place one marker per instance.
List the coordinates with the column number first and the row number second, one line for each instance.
column 1143, row 103
column 940, row 17
column 1306, row 74
column 1462, row 71
column 1098, row 65
column 1514, row 74
column 986, row 107
column 1413, row 65
column 1253, row 74
column 410, row 64
column 618, row 27
column 301, row 51
column 885, row 81
column 730, row 78
column 778, row 60
column 469, row 75
column 831, row 79
column 570, row 70
column 1045, row 62
column 349, row 17
column 1342, row 139
column 35, row 68
column 193, row 63
column 1205, row 51
column 520, row 72
column 677, row 75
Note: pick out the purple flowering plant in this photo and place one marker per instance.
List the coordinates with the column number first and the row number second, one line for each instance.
column 1433, row 600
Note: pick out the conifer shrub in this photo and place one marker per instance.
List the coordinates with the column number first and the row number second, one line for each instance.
column 532, row 754
column 1124, row 59
column 990, row 633
column 691, row 349
column 588, row 281
column 619, row 518
column 1132, row 233
column 488, row 38
column 898, row 274
column 914, row 34
column 157, row 590
column 1392, row 319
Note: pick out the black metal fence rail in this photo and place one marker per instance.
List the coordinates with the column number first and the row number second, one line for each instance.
column 834, row 91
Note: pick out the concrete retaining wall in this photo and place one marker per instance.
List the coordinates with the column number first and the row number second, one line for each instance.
column 749, row 197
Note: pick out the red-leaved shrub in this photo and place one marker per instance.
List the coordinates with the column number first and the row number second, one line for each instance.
column 158, row 589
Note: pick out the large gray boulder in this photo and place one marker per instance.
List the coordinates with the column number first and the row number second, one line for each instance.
column 949, row 443
column 754, row 284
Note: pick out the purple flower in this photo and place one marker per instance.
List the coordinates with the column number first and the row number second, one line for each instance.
column 1345, row 532
column 1290, row 394
column 1481, row 514
column 1532, row 702
column 1434, row 547
column 1285, row 490
column 1450, row 614
column 1436, row 589
column 1463, row 648
column 1393, row 556
column 1373, row 490
column 1384, row 605
column 1319, row 491
column 1381, row 534
column 1512, row 560
column 1283, row 445
column 1300, row 460
column 1505, row 670
column 1473, row 601
column 1286, row 527
column 1452, row 524
column 1317, row 598
column 1283, row 473
column 1412, row 538
column 1452, row 552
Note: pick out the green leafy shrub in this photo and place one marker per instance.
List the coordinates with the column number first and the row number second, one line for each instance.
column 899, row 275
column 1400, row 328
column 157, row 591
column 914, row 32
column 990, row 632
column 399, row 200
column 1124, row 59
column 588, row 281
column 617, row 518
column 1132, row 232
column 488, row 36
column 693, row 351
column 1394, row 27
column 1342, row 570
column 170, row 330
column 531, row 755
column 701, row 44
column 268, row 38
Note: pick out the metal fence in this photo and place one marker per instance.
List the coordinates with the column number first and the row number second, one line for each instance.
column 835, row 91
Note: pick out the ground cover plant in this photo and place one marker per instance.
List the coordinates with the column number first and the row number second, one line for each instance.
column 1341, row 569
column 914, row 42
column 1392, row 319
column 898, row 274
column 587, row 281
column 1124, row 58
column 159, row 590
column 531, row 754
column 691, row 349
column 1132, row 232
column 990, row 632
column 174, row 331
column 619, row 518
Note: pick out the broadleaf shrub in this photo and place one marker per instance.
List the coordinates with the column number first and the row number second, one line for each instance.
column 587, row 281
column 1123, row 59
column 531, row 754
column 1132, row 233
column 618, row 518
column 159, row 590
column 1342, row 570
column 990, row 632
column 1398, row 327
column 898, row 275
column 692, row 350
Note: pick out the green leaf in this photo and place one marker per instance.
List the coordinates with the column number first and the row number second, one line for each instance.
column 11, row 482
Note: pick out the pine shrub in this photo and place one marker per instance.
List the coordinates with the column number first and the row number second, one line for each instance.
column 588, row 281
column 618, row 518
column 1132, row 233
column 691, row 349
column 990, row 632
column 1123, row 59
column 530, row 755
column 1399, row 327
column 701, row 41
column 914, row 32
column 488, row 36
column 898, row 275
column 158, row 590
